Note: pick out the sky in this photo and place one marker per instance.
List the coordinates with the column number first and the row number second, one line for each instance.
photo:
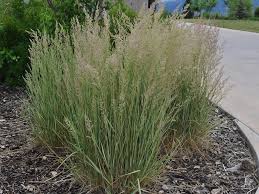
column 171, row 5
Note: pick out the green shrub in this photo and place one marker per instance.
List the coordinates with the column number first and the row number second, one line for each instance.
column 117, row 11
column 65, row 10
column 119, row 8
column 256, row 14
column 113, row 108
column 16, row 19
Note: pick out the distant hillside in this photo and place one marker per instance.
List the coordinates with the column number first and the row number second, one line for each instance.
column 174, row 5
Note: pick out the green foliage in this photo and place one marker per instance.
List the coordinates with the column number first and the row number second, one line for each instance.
column 256, row 14
column 114, row 108
column 244, row 10
column 16, row 18
column 197, row 5
column 7, row 57
column 209, row 4
column 200, row 5
column 65, row 10
column 239, row 9
column 117, row 11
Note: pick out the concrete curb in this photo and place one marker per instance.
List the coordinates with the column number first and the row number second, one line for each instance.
column 253, row 142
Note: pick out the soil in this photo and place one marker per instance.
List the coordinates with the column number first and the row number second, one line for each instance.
column 225, row 166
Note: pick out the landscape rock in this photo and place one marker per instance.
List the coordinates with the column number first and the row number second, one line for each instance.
column 30, row 188
column 53, row 173
column 165, row 187
column 234, row 168
column 216, row 191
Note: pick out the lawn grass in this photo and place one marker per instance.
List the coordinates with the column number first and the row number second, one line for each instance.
column 245, row 25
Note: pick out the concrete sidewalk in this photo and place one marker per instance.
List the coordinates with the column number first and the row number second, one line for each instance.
column 241, row 65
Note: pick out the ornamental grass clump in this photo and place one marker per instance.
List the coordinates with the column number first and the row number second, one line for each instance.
column 113, row 105
column 49, row 99
column 199, row 84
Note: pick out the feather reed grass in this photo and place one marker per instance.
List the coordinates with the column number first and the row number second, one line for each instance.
column 114, row 106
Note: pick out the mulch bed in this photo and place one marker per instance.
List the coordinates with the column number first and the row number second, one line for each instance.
column 225, row 165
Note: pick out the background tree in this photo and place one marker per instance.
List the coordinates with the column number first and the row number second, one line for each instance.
column 256, row 14
column 239, row 9
column 188, row 12
column 202, row 5
column 197, row 6
column 210, row 4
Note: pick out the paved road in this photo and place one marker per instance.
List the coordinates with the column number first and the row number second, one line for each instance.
column 241, row 65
